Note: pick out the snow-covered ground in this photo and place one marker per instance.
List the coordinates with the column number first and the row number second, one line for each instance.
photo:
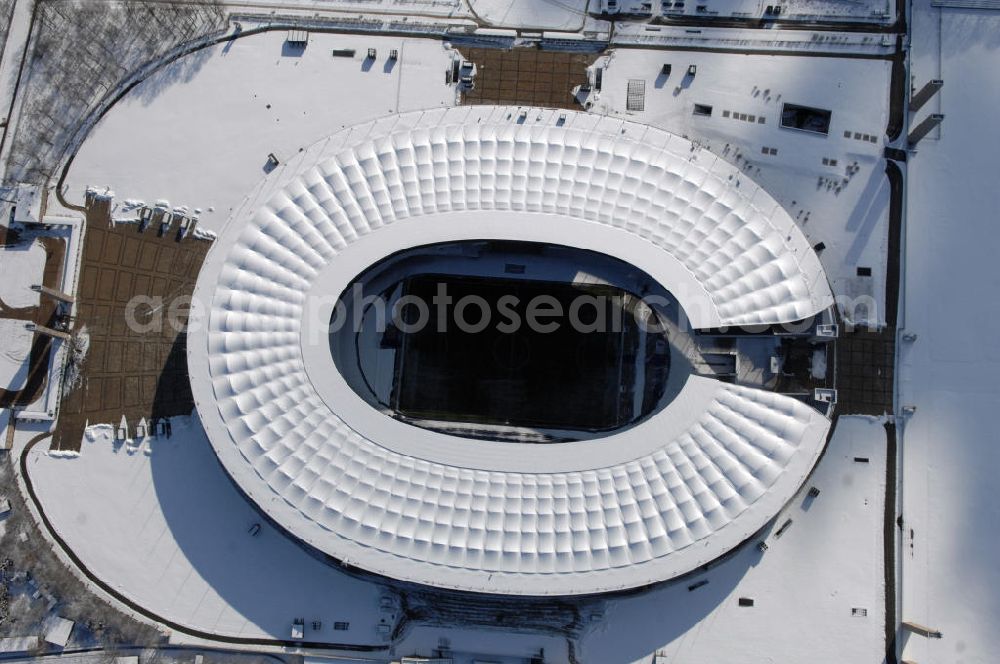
column 747, row 40
column 950, row 455
column 163, row 524
column 876, row 11
column 804, row 587
column 15, row 348
column 837, row 203
column 20, row 267
column 565, row 15
column 419, row 8
column 199, row 132
column 18, row 33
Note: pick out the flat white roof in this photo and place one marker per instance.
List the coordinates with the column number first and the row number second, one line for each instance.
column 643, row 505
column 18, row 644
column 57, row 631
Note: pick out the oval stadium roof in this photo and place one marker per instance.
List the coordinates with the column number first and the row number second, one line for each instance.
column 644, row 505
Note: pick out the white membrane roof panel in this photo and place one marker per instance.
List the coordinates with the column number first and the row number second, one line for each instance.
column 647, row 504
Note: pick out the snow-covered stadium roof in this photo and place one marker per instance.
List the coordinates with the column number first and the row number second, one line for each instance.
column 646, row 504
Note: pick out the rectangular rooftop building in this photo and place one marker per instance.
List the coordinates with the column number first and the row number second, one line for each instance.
column 17, row 645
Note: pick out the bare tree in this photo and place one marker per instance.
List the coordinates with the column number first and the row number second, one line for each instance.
column 25, row 554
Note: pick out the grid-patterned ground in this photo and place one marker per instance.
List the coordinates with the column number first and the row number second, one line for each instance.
column 865, row 372
column 526, row 76
column 129, row 372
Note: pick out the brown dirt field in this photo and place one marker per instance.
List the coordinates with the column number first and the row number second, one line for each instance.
column 526, row 76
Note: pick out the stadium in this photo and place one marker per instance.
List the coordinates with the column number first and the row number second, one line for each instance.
column 513, row 462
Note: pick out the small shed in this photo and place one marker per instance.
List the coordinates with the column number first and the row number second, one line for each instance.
column 4, row 506
column 131, row 659
column 57, row 631
column 298, row 37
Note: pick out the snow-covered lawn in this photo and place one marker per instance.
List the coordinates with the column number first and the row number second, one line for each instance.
column 163, row 524
column 804, row 587
column 15, row 349
column 833, row 185
column 198, row 133
column 20, row 267
column 949, row 446
column 566, row 15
